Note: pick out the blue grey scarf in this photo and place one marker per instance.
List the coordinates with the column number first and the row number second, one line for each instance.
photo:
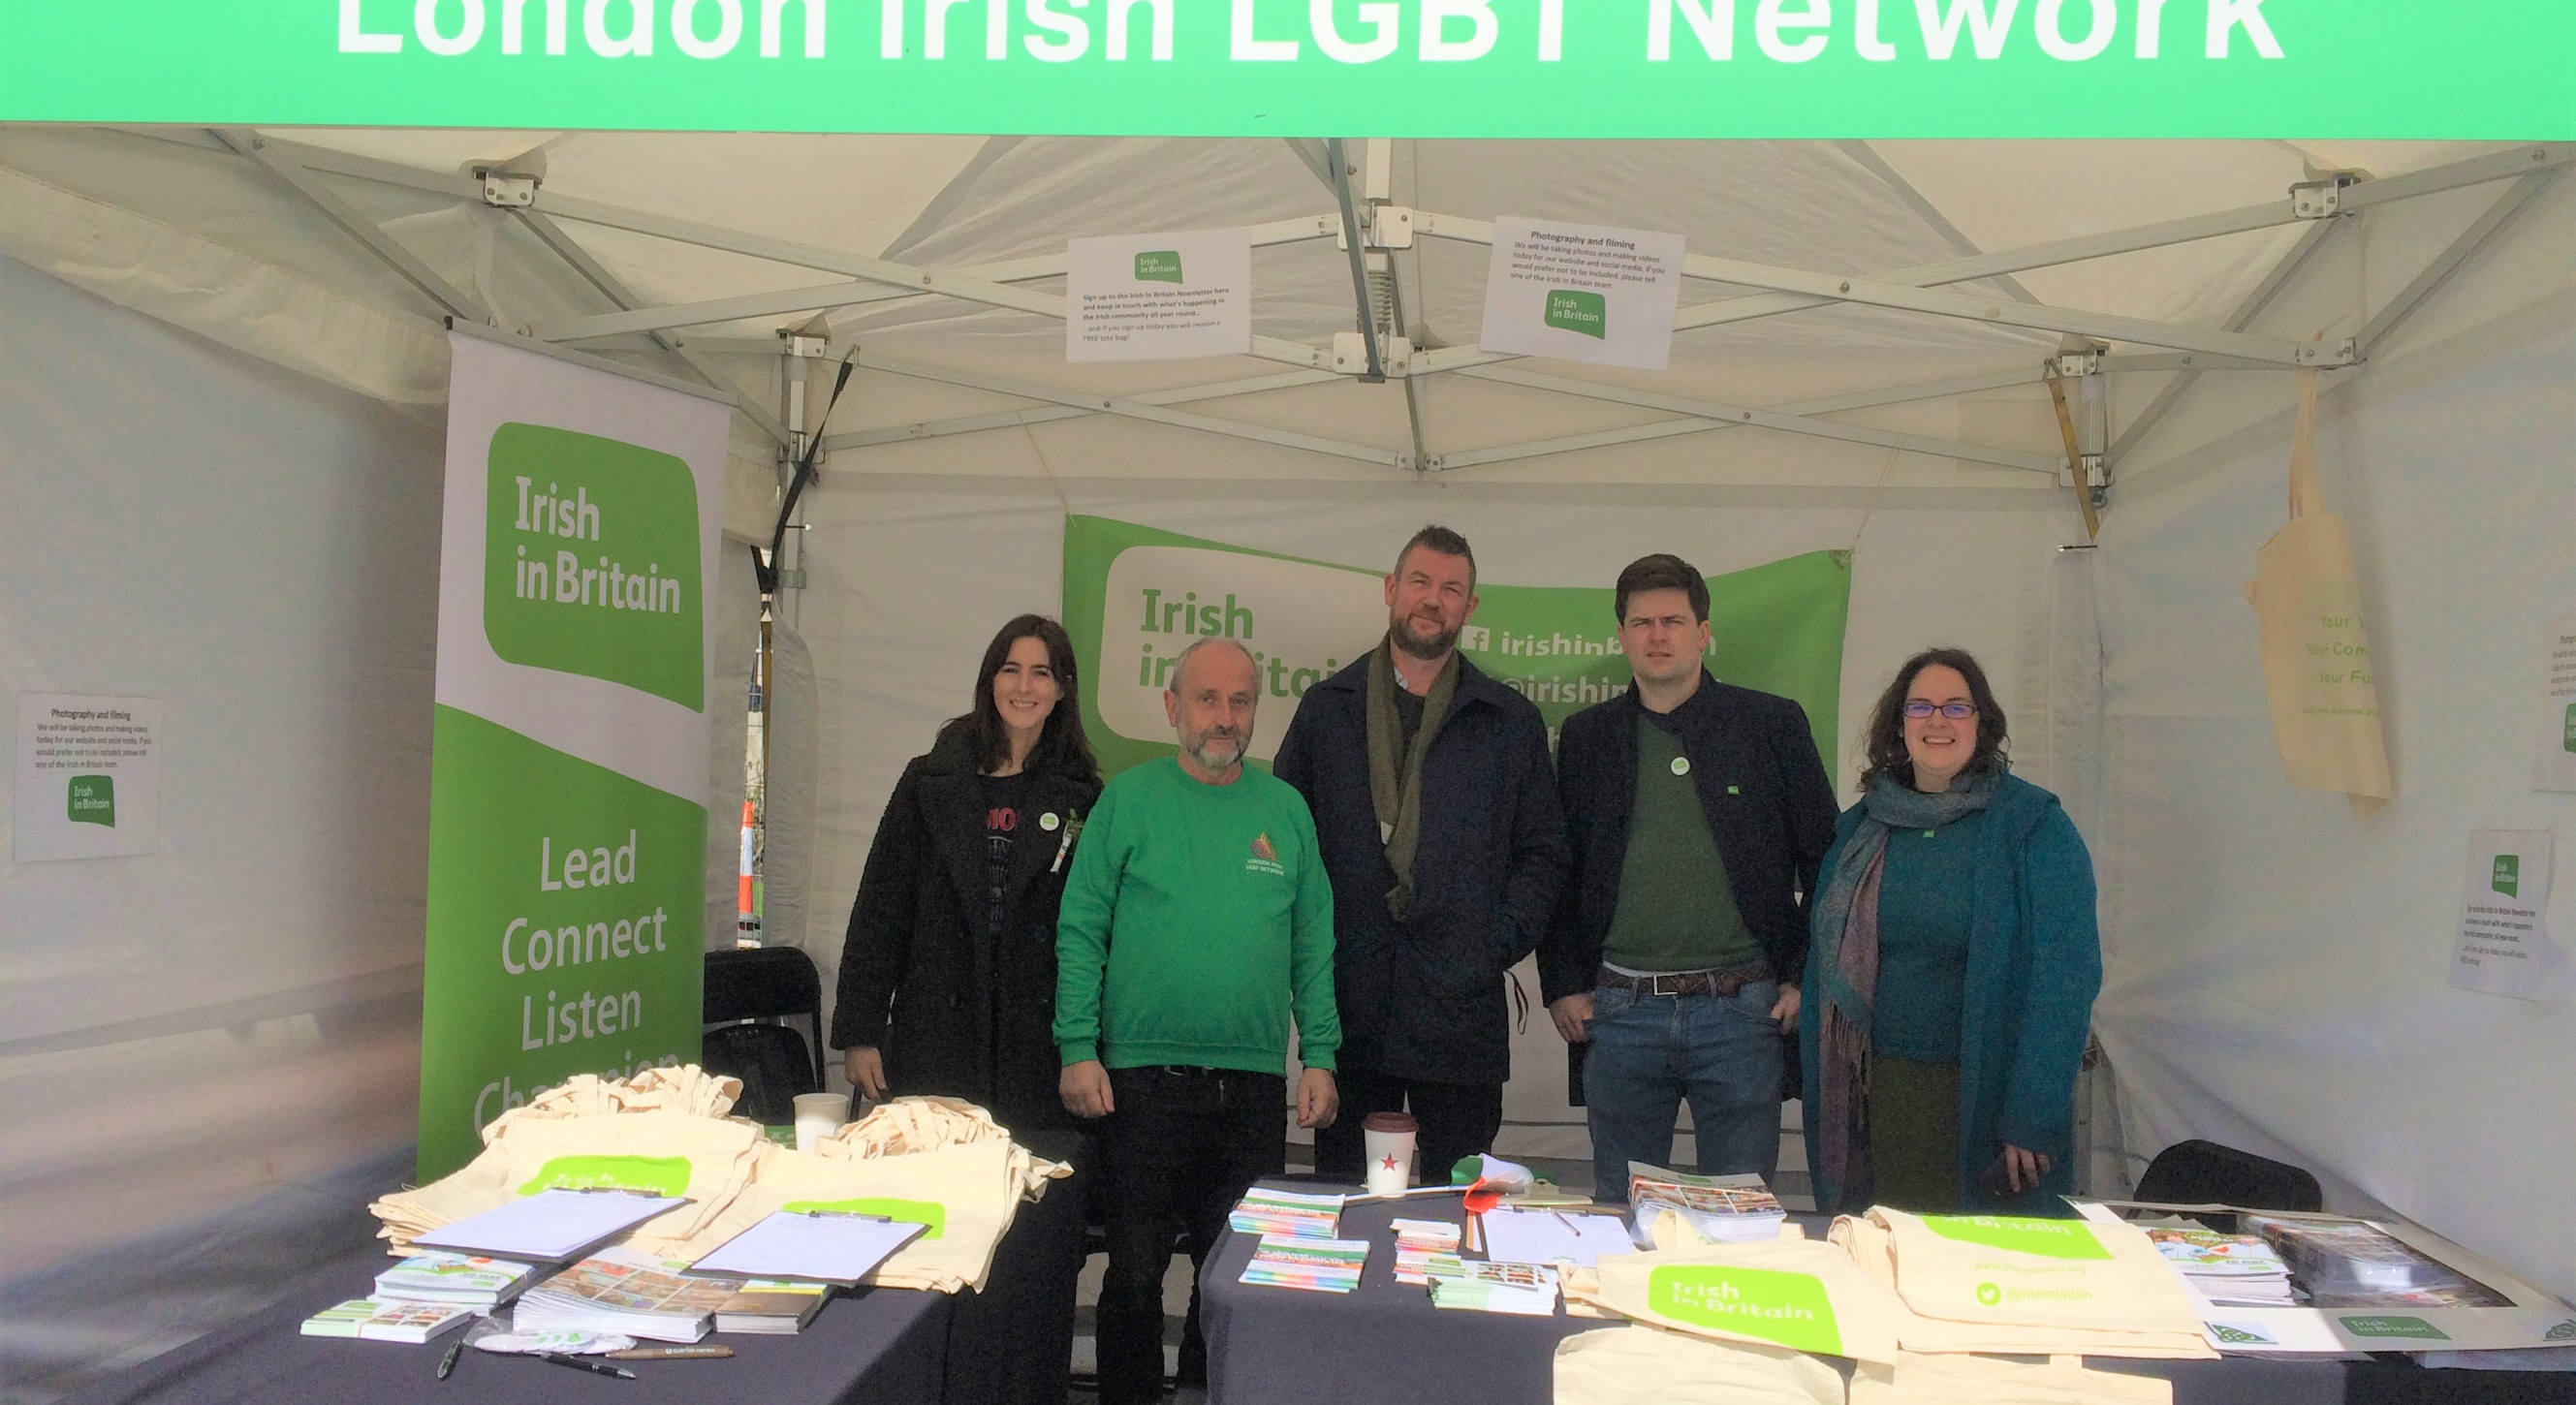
column 1846, row 961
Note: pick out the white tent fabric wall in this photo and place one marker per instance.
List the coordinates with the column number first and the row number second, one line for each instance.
column 910, row 574
column 237, row 1014
column 2279, row 968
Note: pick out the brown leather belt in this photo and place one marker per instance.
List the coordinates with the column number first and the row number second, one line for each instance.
column 1722, row 984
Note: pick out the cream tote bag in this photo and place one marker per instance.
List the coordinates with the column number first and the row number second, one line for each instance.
column 2317, row 664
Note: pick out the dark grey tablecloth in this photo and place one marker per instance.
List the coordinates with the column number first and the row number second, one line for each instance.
column 1284, row 1346
column 884, row 1346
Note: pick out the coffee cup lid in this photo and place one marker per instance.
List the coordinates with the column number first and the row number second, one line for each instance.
column 1388, row 1122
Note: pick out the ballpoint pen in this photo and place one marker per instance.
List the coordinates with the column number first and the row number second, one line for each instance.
column 597, row 1367
column 447, row 1363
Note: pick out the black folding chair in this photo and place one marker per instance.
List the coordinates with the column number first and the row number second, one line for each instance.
column 2205, row 1173
column 751, row 994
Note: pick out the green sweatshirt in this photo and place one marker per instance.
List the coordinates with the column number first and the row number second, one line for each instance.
column 1200, row 915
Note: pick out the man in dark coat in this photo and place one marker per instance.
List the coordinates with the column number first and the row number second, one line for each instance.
column 1437, row 813
column 1698, row 814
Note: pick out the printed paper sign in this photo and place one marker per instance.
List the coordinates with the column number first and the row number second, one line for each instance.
column 89, row 777
column 1158, row 297
column 2504, row 923
column 1580, row 292
column 2554, row 768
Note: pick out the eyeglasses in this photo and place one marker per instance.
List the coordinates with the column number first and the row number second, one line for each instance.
column 1955, row 711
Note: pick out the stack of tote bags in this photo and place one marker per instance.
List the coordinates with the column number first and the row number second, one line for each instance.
column 1907, row 1299
column 2025, row 1287
column 933, row 1161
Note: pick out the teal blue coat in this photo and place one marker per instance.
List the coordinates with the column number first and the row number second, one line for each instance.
column 2034, row 966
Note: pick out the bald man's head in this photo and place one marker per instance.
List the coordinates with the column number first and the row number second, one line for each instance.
column 1216, row 685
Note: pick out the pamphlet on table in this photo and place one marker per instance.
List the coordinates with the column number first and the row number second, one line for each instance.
column 2358, row 1285
column 623, row 1291
column 1264, row 1211
column 1302, row 1261
column 386, row 1320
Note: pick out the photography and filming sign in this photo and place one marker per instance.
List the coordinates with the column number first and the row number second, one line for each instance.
column 88, row 777
column 2399, row 69
column 1581, row 292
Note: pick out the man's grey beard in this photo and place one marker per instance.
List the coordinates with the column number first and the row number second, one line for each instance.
column 1197, row 747
column 1400, row 634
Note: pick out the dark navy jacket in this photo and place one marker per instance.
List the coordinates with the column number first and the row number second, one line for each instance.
column 1423, row 998
column 1761, row 785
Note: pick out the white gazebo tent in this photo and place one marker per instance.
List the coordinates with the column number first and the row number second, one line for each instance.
column 1949, row 357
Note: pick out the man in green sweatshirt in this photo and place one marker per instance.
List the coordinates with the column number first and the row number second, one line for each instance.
column 1196, row 920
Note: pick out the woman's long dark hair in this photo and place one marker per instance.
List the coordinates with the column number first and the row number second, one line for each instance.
column 1061, row 747
column 1887, row 754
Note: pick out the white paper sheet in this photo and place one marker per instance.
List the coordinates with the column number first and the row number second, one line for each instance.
column 822, row 1248
column 2503, row 946
column 2553, row 767
column 1545, row 1236
column 550, row 1225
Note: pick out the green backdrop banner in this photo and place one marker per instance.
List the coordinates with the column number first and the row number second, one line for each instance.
column 2407, row 69
column 1135, row 597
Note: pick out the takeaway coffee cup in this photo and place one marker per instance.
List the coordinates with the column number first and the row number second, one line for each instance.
column 1390, row 1151
column 819, row 1115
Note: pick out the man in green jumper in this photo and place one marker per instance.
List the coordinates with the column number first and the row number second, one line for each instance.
column 1196, row 919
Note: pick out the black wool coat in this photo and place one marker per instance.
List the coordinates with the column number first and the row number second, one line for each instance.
column 1424, row 998
column 954, row 1011
column 1762, row 786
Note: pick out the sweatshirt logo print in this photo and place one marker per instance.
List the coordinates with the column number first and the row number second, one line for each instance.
column 1265, row 858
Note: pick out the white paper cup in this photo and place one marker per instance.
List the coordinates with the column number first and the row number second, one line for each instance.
column 819, row 1115
column 1390, row 1137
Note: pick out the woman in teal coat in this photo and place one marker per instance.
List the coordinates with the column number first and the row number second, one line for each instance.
column 1951, row 975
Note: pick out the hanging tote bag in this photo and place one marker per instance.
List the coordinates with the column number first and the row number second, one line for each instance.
column 2317, row 664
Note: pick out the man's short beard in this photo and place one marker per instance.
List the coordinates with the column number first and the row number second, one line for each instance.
column 1197, row 747
column 1400, row 634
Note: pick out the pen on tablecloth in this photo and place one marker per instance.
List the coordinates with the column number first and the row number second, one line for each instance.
column 447, row 1363
column 601, row 1368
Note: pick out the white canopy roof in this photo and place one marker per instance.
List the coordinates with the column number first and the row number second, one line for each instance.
column 334, row 252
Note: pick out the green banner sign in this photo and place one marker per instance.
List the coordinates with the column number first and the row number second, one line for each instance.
column 1134, row 597
column 2405, row 69
column 567, row 809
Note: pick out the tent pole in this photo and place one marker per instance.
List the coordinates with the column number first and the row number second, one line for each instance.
column 1138, row 409
column 863, row 291
column 615, row 290
column 2252, row 307
column 1706, row 415
column 1358, row 246
column 2460, row 251
column 384, row 246
column 1999, row 312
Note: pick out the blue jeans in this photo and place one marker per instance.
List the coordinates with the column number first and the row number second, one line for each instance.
column 1651, row 1051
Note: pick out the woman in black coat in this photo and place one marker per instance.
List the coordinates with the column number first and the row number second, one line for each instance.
column 948, row 973
column 948, row 978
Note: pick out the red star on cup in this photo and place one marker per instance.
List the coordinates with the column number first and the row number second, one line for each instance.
column 1389, row 1162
